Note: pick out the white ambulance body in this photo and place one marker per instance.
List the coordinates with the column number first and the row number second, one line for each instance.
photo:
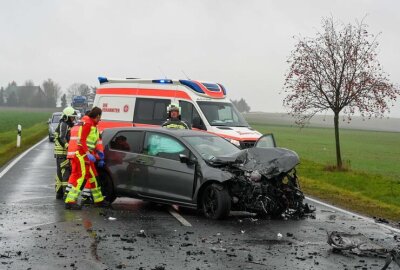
column 139, row 102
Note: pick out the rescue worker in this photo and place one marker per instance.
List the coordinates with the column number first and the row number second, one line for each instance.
column 82, row 152
column 61, row 139
column 174, row 118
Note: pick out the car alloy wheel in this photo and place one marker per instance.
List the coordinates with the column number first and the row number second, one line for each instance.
column 216, row 202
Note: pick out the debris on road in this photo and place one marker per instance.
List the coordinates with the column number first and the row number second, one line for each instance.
column 142, row 234
column 362, row 246
column 112, row 218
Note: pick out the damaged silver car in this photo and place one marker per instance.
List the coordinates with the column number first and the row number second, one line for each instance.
column 200, row 170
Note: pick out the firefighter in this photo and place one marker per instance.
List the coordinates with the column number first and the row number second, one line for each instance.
column 174, row 118
column 61, row 138
column 81, row 151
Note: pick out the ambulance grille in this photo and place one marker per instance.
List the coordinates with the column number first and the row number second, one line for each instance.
column 247, row 144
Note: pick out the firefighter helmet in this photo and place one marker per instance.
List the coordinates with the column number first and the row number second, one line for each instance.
column 69, row 111
column 173, row 107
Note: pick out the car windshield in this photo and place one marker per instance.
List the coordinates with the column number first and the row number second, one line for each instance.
column 56, row 118
column 210, row 147
column 222, row 114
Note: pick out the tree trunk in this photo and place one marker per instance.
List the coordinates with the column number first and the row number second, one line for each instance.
column 338, row 155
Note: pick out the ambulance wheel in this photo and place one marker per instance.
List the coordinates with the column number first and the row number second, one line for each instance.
column 107, row 188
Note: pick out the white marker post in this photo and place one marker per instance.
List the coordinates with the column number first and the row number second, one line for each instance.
column 19, row 130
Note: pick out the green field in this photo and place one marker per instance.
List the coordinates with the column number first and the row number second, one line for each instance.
column 34, row 128
column 371, row 186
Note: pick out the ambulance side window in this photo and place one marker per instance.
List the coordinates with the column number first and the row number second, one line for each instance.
column 190, row 114
column 151, row 111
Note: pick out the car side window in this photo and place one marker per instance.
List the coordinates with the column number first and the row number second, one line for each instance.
column 162, row 145
column 151, row 111
column 127, row 141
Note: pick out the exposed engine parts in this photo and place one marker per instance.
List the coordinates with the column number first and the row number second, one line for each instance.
column 265, row 182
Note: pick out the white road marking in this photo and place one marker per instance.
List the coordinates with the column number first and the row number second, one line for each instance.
column 15, row 161
column 176, row 215
column 356, row 215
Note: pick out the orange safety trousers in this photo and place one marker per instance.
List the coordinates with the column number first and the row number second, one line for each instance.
column 83, row 175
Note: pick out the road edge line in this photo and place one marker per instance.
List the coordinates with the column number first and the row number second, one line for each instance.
column 18, row 158
column 368, row 219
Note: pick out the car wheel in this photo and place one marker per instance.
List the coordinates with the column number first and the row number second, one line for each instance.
column 107, row 188
column 50, row 139
column 216, row 202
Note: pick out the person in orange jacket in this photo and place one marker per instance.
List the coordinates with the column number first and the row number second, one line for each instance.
column 82, row 152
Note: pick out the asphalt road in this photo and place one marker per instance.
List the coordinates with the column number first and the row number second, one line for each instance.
column 36, row 232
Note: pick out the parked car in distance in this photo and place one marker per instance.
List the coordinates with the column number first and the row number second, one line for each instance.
column 200, row 170
column 53, row 122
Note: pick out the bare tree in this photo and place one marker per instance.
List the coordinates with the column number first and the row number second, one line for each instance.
column 29, row 83
column 338, row 70
column 64, row 101
column 241, row 105
column 52, row 91
column 78, row 89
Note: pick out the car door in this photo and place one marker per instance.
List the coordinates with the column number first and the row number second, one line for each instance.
column 122, row 159
column 168, row 177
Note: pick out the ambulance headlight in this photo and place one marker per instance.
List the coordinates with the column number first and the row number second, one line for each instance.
column 235, row 142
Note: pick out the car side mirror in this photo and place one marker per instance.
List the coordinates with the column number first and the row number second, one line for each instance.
column 198, row 123
column 185, row 159
column 49, row 121
column 266, row 141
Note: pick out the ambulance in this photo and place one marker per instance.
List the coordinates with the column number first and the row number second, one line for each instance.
column 134, row 102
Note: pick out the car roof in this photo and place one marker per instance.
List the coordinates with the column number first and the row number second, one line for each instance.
column 171, row 131
column 56, row 113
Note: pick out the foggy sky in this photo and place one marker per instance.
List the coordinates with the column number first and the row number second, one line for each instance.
column 242, row 44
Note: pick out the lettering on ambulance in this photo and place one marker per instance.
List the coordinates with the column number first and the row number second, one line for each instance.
column 105, row 108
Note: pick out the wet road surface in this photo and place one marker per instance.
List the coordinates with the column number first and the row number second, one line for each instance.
column 36, row 232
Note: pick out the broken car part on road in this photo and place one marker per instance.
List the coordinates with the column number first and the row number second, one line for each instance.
column 361, row 245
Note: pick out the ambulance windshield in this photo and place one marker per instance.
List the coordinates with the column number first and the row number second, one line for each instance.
column 222, row 114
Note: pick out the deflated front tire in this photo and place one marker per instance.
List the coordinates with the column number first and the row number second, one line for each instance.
column 216, row 202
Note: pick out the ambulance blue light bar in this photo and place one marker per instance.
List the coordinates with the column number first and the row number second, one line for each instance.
column 162, row 81
column 102, row 80
column 192, row 85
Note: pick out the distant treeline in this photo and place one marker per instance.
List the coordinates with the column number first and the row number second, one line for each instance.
column 45, row 95
column 30, row 95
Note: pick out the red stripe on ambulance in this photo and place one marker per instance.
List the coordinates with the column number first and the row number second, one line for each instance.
column 144, row 92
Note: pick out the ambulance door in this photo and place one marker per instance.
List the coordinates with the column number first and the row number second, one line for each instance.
column 190, row 114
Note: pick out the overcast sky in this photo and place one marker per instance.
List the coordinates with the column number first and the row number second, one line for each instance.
column 241, row 44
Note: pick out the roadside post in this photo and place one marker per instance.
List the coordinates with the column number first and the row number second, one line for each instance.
column 19, row 131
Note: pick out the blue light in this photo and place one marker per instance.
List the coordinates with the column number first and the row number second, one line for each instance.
column 162, row 81
column 223, row 88
column 102, row 80
column 192, row 85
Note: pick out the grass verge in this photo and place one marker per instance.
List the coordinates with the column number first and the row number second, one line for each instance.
column 369, row 194
column 30, row 136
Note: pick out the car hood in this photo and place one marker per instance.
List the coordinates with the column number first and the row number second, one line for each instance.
column 269, row 162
